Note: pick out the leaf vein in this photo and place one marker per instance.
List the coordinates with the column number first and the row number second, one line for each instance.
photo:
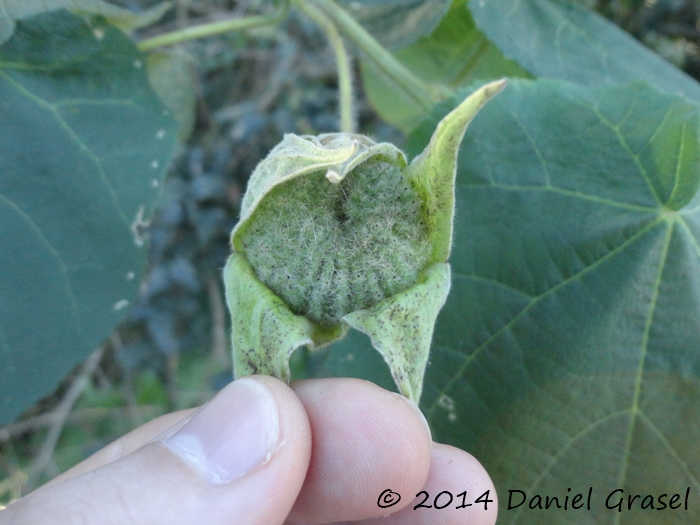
column 477, row 351
column 635, row 157
column 563, row 191
column 491, row 281
column 54, row 254
column 73, row 136
column 671, row 450
column 635, row 410
column 681, row 220
column 566, row 447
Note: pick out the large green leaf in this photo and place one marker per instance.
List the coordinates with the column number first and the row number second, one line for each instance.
column 397, row 23
column 13, row 10
column 84, row 143
column 564, row 40
column 567, row 355
column 173, row 78
column 576, row 258
column 455, row 54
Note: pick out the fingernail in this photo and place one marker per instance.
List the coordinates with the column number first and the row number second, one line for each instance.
column 231, row 435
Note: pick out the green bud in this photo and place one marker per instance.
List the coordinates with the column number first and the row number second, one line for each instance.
column 337, row 231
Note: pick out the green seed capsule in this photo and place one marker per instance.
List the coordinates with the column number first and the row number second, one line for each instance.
column 328, row 249
column 337, row 232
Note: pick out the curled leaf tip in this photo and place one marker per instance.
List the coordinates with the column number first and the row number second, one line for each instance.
column 433, row 171
column 494, row 88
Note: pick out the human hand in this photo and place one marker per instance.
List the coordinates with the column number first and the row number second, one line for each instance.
column 262, row 453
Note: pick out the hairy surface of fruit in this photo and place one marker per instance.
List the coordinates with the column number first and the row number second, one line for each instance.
column 331, row 249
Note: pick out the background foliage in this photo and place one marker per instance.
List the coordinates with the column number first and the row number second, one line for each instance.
column 567, row 353
column 73, row 239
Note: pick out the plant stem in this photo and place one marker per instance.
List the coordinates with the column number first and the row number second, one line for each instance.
column 347, row 124
column 215, row 28
column 411, row 84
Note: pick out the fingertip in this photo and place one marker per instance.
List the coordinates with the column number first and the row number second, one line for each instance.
column 458, row 490
column 455, row 469
column 365, row 440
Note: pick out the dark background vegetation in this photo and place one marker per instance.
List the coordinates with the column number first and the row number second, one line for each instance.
column 172, row 351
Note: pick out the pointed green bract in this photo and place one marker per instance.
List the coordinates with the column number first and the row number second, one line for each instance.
column 264, row 331
column 433, row 171
column 401, row 328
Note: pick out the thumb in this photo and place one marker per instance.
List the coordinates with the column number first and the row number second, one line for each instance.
column 246, row 448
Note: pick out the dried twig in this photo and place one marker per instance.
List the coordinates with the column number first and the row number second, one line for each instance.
column 172, row 363
column 62, row 411
column 128, row 384
column 14, row 430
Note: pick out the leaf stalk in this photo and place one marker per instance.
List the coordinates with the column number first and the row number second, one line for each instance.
column 347, row 121
column 215, row 28
column 402, row 76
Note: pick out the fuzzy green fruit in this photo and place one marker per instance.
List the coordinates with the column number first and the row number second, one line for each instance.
column 336, row 232
column 330, row 249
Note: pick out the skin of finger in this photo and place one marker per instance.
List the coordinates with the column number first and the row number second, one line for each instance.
column 128, row 443
column 454, row 471
column 153, row 485
column 365, row 440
